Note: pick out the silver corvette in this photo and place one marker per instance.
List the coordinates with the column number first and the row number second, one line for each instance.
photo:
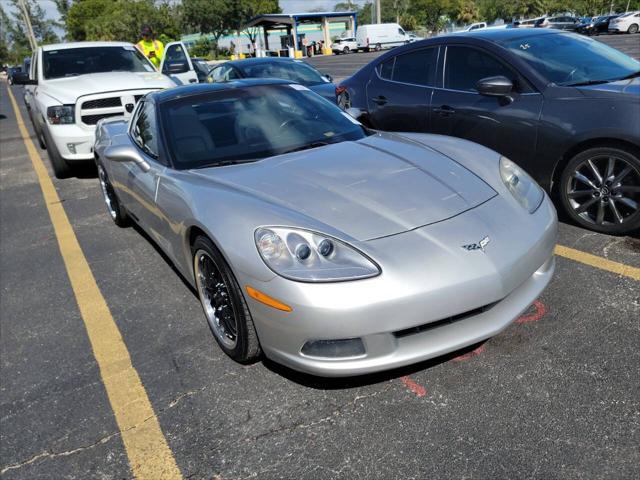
column 330, row 248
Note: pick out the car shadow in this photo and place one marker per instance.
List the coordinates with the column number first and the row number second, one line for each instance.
column 342, row 383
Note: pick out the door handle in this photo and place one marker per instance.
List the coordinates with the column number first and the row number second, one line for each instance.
column 380, row 100
column 193, row 80
column 444, row 111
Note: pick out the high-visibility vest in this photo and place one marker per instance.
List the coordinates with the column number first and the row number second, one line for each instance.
column 147, row 47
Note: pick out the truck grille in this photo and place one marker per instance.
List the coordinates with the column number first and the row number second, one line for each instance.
column 92, row 108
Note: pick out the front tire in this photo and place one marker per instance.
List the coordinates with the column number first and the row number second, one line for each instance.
column 223, row 303
column 115, row 209
column 61, row 169
column 378, row 47
column 633, row 29
column 600, row 190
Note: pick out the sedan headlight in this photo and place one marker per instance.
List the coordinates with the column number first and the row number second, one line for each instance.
column 61, row 114
column 524, row 188
column 308, row 256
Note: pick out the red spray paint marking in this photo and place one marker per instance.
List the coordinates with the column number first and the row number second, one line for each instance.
column 471, row 354
column 419, row 390
column 540, row 311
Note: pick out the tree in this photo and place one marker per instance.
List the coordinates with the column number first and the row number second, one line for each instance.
column 466, row 11
column 214, row 17
column 245, row 10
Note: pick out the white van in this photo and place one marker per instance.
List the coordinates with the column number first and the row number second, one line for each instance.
column 380, row 35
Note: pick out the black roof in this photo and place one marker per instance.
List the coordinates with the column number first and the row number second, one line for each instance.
column 169, row 94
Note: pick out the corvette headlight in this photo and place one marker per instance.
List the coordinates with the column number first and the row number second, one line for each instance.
column 524, row 188
column 308, row 256
column 61, row 114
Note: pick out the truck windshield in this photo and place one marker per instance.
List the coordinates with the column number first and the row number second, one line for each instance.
column 70, row 62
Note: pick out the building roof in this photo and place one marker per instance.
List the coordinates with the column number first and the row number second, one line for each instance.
column 291, row 18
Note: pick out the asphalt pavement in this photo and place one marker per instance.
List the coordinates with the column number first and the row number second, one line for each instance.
column 556, row 395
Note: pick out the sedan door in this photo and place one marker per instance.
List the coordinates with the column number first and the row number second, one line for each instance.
column 508, row 125
column 400, row 89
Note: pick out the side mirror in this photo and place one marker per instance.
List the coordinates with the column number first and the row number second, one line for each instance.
column 126, row 153
column 328, row 78
column 22, row 78
column 173, row 68
column 495, row 86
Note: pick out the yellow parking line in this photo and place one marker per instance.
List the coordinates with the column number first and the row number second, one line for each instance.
column 598, row 262
column 149, row 454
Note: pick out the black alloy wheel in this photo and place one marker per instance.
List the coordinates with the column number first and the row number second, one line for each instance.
column 600, row 190
column 224, row 306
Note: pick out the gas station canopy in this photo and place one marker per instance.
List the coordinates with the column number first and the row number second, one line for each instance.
column 291, row 21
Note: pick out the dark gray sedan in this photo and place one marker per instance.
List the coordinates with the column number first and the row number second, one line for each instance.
column 283, row 68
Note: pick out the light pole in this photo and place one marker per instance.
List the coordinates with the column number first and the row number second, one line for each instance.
column 27, row 20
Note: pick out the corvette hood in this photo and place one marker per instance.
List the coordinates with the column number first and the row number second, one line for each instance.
column 379, row 186
column 67, row 90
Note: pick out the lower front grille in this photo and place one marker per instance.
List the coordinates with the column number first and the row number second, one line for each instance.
column 93, row 119
column 445, row 321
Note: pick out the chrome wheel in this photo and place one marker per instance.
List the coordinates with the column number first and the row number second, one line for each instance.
column 216, row 301
column 605, row 190
column 107, row 192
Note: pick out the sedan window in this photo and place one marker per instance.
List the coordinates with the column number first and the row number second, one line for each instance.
column 465, row 66
column 417, row 67
column 566, row 59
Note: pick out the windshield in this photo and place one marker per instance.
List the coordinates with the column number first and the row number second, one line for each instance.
column 70, row 62
column 567, row 59
column 247, row 124
column 296, row 71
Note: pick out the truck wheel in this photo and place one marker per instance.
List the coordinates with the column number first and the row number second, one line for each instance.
column 61, row 168
column 345, row 50
column 378, row 47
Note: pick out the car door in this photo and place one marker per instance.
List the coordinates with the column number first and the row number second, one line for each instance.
column 141, row 187
column 177, row 64
column 507, row 125
column 400, row 89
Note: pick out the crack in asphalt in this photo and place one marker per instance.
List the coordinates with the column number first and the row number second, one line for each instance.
column 47, row 454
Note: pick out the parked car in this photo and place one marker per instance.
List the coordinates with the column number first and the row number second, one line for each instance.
column 475, row 26
column 344, row 45
column 563, row 106
column 380, row 35
column 296, row 71
column 413, row 37
column 627, row 22
column 597, row 25
column 330, row 248
column 13, row 72
column 562, row 22
column 202, row 68
column 73, row 85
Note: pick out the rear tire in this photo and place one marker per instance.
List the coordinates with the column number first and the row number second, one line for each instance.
column 600, row 190
column 345, row 50
column 115, row 209
column 378, row 47
column 223, row 303
column 61, row 169
column 633, row 28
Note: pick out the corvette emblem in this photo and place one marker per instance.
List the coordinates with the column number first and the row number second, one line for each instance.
column 477, row 246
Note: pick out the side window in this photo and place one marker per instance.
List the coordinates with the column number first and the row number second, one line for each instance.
column 385, row 70
column 145, row 129
column 400, row 31
column 418, row 67
column 465, row 66
column 216, row 75
column 231, row 74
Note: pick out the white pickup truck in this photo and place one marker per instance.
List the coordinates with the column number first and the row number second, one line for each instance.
column 72, row 86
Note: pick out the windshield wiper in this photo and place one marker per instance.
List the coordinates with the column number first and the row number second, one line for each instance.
column 305, row 147
column 597, row 82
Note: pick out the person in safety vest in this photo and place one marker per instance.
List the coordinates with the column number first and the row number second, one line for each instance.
column 152, row 48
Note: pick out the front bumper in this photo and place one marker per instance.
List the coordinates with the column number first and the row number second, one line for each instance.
column 433, row 281
column 73, row 142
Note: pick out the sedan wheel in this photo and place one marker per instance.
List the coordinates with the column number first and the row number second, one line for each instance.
column 601, row 190
column 115, row 209
column 345, row 50
column 223, row 303
column 633, row 29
